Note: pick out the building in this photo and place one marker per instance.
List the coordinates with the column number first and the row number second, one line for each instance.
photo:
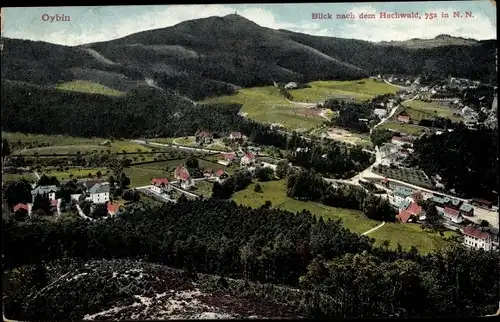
column 400, row 141
column 380, row 112
column 404, row 119
column 204, row 137
column 21, row 207
column 221, row 175
column 400, row 195
column 417, row 196
column 291, row 85
column 160, row 185
column 113, row 208
column 185, row 179
column 452, row 215
column 99, row 193
column 412, row 213
column 235, row 135
column 227, row 159
column 466, row 210
column 248, row 159
column 482, row 203
column 208, row 173
column 475, row 237
column 87, row 184
column 50, row 191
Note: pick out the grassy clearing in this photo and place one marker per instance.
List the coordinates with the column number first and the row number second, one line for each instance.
column 419, row 110
column 190, row 140
column 411, row 129
column 410, row 235
column 25, row 140
column 142, row 176
column 274, row 191
column 28, row 176
column 77, row 173
column 359, row 90
column 89, row 87
column 204, row 188
column 264, row 104
column 113, row 147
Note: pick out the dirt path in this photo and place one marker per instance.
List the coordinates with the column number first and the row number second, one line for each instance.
column 373, row 229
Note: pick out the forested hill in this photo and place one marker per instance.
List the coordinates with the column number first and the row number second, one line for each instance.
column 216, row 55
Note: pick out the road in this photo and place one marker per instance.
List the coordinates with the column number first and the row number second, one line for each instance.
column 36, row 175
column 398, row 86
column 373, row 229
column 176, row 146
column 391, row 113
column 80, row 212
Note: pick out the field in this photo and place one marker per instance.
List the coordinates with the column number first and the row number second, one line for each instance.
column 359, row 90
column 28, row 176
column 264, row 104
column 77, row 173
column 89, row 87
column 204, row 188
column 416, row 177
column 408, row 235
column 142, row 176
column 401, row 127
column 405, row 234
column 419, row 110
column 344, row 136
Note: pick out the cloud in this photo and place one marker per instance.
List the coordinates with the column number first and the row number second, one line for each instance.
column 479, row 27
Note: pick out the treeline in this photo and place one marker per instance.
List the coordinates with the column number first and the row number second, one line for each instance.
column 468, row 164
column 274, row 246
column 308, row 185
column 352, row 115
column 330, row 158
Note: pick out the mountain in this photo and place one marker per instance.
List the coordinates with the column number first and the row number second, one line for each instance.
column 217, row 55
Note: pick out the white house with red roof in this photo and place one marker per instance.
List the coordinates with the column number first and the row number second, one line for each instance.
column 404, row 119
column 160, row 185
column 208, row 173
column 227, row 159
column 185, row 179
column 248, row 159
column 235, row 135
column 475, row 237
column 113, row 208
column 221, row 175
column 412, row 213
column 23, row 207
column 204, row 137
column 452, row 215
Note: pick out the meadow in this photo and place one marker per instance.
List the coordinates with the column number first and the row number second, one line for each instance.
column 265, row 104
column 75, row 173
column 411, row 129
column 358, row 90
column 419, row 110
column 89, row 87
column 404, row 234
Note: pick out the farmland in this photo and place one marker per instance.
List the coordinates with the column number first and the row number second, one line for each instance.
column 89, row 87
column 76, row 173
column 359, row 90
column 405, row 128
column 264, row 104
column 419, row 110
column 416, row 177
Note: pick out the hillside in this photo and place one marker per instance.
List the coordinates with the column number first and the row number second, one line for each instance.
column 439, row 41
column 130, row 290
column 217, row 55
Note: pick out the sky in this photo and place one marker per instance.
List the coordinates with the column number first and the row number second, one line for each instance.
column 100, row 23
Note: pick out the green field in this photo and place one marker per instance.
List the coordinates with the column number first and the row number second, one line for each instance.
column 274, row 191
column 89, row 87
column 359, row 90
column 77, row 173
column 28, row 176
column 113, row 147
column 142, row 176
column 419, row 110
column 411, row 129
column 204, row 188
column 162, row 165
column 264, row 104
column 408, row 235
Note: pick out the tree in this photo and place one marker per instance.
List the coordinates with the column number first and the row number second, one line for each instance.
column 257, row 188
column 131, row 195
column 42, row 202
column 46, row 181
column 5, row 148
column 380, row 136
column 484, row 223
column 192, row 162
column 100, row 210
column 17, row 192
column 99, row 174
column 264, row 173
column 124, row 181
column 433, row 220
column 282, row 169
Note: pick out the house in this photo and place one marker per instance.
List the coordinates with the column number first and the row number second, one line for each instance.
column 482, row 203
column 380, row 112
column 452, row 215
column 403, row 205
column 21, row 207
column 41, row 190
column 291, row 85
column 400, row 141
column 415, row 209
column 54, row 203
column 466, row 210
column 235, row 135
column 208, row 173
column 204, row 137
column 440, row 202
column 253, row 149
column 113, row 208
column 221, row 175
column 417, row 196
column 404, row 216
column 475, row 237
column 248, row 159
column 185, row 179
column 399, row 195
column 404, row 119
column 160, row 185
column 227, row 158
column 99, row 193
column 455, row 203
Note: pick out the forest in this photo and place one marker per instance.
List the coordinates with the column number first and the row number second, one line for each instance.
column 468, row 163
column 347, row 275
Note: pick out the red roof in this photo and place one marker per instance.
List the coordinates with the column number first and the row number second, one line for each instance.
column 229, row 156
column 53, row 202
column 414, row 209
column 220, row 172
column 204, row 134
column 385, row 180
column 181, row 173
column 250, row 156
column 208, row 171
column 482, row 201
column 159, row 181
column 404, row 215
column 451, row 212
column 476, row 232
column 113, row 207
column 20, row 206
column 236, row 134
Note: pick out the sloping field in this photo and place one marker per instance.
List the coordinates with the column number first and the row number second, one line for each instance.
column 89, row 87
